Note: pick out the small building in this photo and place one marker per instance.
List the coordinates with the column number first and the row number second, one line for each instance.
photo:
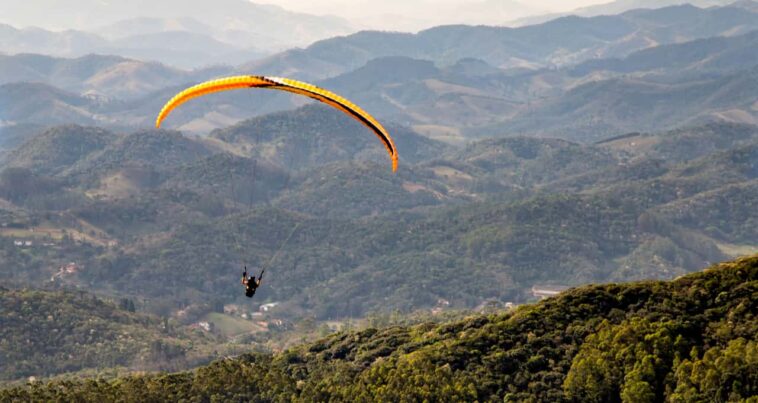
column 66, row 270
column 268, row 307
column 489, row 305
column 547, row 291
column 70, row 268
column 182, row 312
column 231, row 309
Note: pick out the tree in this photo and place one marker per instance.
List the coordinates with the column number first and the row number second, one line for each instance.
column 637, row 383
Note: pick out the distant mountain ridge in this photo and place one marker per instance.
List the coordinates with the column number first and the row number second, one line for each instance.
column 621, row 6
column 43, row 104
column 176, row 48
column 677, row 61
column 104, row 77
column 603, row 109
column 563, row 41
column 179, row 33
column 454, row 83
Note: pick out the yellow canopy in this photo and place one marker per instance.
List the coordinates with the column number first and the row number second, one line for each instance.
column 284, row 84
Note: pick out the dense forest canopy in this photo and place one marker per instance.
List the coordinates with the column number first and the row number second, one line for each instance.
column 692, row 339
column 138, row 209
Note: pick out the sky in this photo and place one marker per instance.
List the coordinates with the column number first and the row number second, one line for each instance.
column 398, row 15
column 364, row 8
column 411, row 15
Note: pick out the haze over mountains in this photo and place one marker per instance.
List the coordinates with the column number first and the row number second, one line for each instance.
column 620, row 6
column 391, row 15
column 179, row 33
column 453, row 83
column 198, row 34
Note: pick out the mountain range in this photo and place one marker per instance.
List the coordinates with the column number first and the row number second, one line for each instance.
column 563, row 41
column 639, row 206
column 177, row 33
column 583, row 150
column 620, row 63
column 621, row 6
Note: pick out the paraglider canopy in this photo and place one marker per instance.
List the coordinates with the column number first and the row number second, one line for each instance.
column 284, row 84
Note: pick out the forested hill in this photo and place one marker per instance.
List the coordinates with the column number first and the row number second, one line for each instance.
column 46, row 333
column 693, row 339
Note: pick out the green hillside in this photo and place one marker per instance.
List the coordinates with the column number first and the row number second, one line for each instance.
column 315, row 135
column 337, row 267
column 57, row 148
column 501, row 215
column 358, row 189
column 45, row 333
column 146, row 149
column 689, row 340
column 42, row 104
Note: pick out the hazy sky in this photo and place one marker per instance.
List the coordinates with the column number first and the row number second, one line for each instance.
column 416, row 14
column 402, row 15
column 363, row 8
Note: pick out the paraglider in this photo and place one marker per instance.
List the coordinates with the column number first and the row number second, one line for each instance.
column 251, row 283
column 284, row 84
